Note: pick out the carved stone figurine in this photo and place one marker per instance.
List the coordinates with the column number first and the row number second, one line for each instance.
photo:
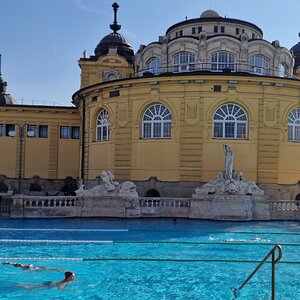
column 229, row 181
column 108, row 186
column 228, row 161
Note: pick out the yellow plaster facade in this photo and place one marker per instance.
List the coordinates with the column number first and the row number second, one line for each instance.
column 181, row 72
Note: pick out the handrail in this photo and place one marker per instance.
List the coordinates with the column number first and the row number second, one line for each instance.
column 274, row 262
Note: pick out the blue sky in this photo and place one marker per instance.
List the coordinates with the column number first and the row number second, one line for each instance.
column 42, row 40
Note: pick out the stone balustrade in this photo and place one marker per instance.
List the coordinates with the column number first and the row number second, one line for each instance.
column 209, row 208
column 49, row 202
column 165, row 202
column 284, row 205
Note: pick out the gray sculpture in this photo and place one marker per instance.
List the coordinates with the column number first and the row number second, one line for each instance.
column 229, row 181
column 109, row 187
column 228, row 161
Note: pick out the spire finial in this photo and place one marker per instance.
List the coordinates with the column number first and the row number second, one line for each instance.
column 115, row 26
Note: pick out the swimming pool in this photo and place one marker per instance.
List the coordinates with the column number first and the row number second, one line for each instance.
column 149, row 258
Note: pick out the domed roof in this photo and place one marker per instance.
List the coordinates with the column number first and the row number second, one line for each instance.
column 4, row 97
column 296, row 51
column 209, row 14
column 115, row 40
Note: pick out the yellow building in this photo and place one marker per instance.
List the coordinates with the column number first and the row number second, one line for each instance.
column 160, row 117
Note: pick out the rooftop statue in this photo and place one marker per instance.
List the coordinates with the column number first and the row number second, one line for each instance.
column 230, row 181
column 109, row 187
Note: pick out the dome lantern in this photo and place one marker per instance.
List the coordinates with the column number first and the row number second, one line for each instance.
column 115, row 40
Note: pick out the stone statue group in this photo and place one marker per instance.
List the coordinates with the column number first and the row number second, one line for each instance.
column 229, row 181
column 109, row 187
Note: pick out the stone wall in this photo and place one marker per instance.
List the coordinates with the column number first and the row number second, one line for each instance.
column 247, row 208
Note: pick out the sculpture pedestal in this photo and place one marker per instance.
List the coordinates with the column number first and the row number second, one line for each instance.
column 229, row 207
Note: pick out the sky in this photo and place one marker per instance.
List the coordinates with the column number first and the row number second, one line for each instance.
column 41, row 41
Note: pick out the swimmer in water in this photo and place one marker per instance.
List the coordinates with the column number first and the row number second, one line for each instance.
column 31, row 267
column 69, row 277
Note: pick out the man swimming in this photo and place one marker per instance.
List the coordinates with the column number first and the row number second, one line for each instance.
column 32, row 267
column 69, row 277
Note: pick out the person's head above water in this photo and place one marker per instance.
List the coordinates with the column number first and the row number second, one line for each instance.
column 69, row 276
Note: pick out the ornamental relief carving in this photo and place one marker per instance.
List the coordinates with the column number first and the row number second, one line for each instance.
column 122, row 115
column 270, row 114
column 191, row 112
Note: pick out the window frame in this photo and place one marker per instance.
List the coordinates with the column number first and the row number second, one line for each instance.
column 103, row 126
column 183, row 62
column 294, row 125
column 155, row 68
column 230, row 121
column 259, row 65
column 157, row 122
column 221, row 60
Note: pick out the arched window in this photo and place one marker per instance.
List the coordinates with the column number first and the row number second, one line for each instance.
column 222, row 60
column 294, row 125
column 183, row 62
column 153, row 66
column 230, row 122
column 103, row 124
column 157, row 121
column 259, row 65
column 282, row 70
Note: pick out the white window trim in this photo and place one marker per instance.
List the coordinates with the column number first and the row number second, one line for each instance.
column 103, row 122
column 227, row 63
column 157, row 118
column 234, row 119
column 293, row 117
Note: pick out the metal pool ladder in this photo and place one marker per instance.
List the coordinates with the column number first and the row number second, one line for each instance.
column 274, row 262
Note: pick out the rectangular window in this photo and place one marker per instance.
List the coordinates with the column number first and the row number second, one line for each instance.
column 2, row 129
column 180, row 33
column 69, row 132
column 253, row 35
column 199, row 29
column 75, row 132
column 43, row 131
column 114, row 94
column 241, row 131
column 290, row 133
column 222, row 29
column 215, row 28
column 147, row 130
column 32, row 131
column 157, row 130
column 9, row 128
column 65, row 132
column 217, row 88
column 167, row 130
column 237, row 31
column 193, row 30
column 218, row 130
column 229, row 130
column 297, row 133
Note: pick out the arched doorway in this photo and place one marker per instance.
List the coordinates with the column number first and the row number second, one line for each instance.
column 297, row 197
column 152, row 193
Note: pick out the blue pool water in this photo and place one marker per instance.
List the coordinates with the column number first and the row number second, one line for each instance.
column 148, row 258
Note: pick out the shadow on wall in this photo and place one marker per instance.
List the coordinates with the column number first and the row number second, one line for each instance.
column 152, row 193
